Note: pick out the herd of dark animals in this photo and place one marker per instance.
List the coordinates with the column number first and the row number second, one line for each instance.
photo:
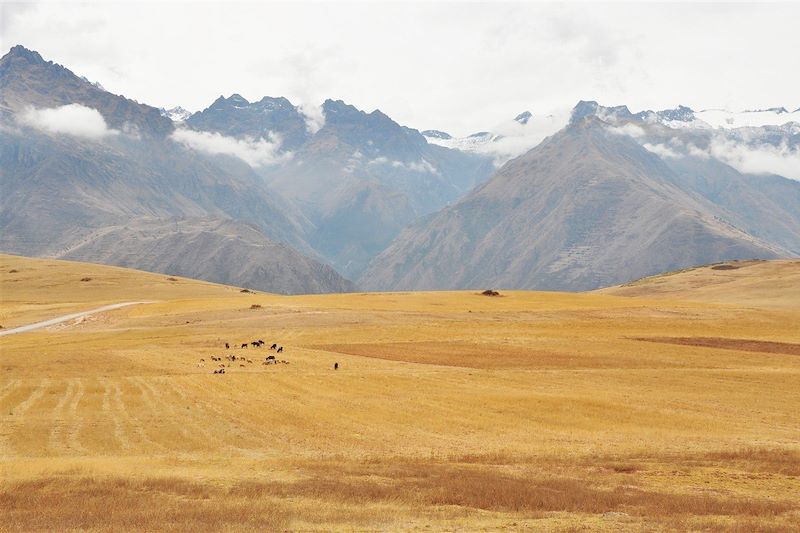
column 269, row 360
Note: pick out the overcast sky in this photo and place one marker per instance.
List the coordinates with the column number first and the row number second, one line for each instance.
column 456, row 66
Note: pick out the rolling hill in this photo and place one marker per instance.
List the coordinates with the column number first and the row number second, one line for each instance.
column 449, row 410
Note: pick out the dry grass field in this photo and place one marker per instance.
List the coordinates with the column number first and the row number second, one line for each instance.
column 670, row 404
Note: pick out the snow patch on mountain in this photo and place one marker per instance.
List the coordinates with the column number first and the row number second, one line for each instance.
column 506, row 140
column 176, row 114
column 720, row 118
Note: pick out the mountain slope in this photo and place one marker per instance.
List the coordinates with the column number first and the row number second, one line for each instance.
column 365, row 171
column 360, row 178
column 235, row 116
column 222, row 251
column 60, row 185
column 586, row 208
column 28, row 80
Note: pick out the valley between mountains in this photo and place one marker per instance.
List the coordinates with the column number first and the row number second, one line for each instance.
column 263, row 195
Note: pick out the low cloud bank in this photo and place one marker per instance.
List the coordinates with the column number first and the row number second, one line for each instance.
column 761, row 159
column 254, row 152
column 746, row 155
column 71, row 119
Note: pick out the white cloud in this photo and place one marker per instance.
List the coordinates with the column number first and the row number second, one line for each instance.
column 662, row 150
column 761, row 159
column 72, row 119
column 629, row 129
column 744, row 157
column 314, row 116
column 254, row 152
column 456, row 68
column 695, row 151
column 510, row 138
column 379, row 161
column 423, row 165
column 515, row 139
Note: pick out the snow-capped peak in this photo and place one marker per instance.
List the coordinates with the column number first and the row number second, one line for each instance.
column 722, row 118
column 176, row 114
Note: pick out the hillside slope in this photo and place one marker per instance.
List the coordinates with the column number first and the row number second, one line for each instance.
column 584, row 209
column 60, row 186
column 763, row 283
column 216, row 250
column 448, row 410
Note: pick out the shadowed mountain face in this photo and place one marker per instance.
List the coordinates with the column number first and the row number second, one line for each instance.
column 222, row 251
column 236, row 117
column 59, row 187
column 613, row 196
column 28, row 80
column 586, row 208
column 360, row 179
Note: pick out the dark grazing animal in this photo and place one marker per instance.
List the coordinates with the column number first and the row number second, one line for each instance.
column 273, row 346
column 270, row 358
column 244, row 345
column 280, row 349
column 227, row 346
column 336, row 366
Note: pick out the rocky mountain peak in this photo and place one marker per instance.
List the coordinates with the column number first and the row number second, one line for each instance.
column 523, row 117
column 19, row 52
column 680, row 113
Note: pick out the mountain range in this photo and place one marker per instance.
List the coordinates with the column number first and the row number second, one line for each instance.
column 590, row 207
column 64, row 185
column 274, row 196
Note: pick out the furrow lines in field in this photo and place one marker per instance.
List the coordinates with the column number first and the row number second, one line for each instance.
column 119, row 429
column 134, row 423
column 200, row 424
column 77, row 420
column 8, row 388
column 201, row 421
column 246, row 427
column 37, row 393
column 18, row 417
column 157, row 405
column 55, row 440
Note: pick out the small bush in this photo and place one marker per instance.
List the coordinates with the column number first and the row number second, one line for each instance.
column 490, row 292
column 86, row 279
column 246, row 290
column 172, row 279
column 255, row 306
column 13, row 271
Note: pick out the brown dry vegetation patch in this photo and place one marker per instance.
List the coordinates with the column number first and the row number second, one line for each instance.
column 742, row 345
column 775, row 461
column 61, row 504
column 725, row 267
column 467, row 354
column 64, row 503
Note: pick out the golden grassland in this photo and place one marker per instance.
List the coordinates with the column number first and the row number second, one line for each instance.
column 669, row 404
